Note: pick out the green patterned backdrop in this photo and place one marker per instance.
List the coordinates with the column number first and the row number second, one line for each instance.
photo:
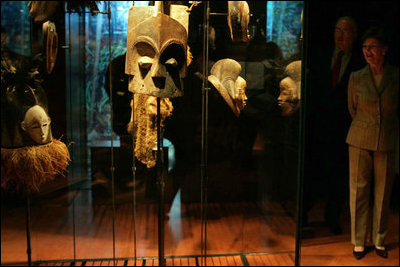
column 284, row 24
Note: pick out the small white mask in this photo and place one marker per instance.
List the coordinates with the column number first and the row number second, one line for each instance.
column 289, row 98
column 224, row 75
column 36, row 124
column 241, row 86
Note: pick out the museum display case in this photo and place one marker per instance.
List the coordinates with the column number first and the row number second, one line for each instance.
column 153, row 132
column 122, row 78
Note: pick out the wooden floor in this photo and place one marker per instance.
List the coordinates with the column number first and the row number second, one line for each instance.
column 238, row 234
column 321, row 248
column 225, row 260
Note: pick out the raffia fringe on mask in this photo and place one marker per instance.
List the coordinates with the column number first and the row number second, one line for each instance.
column 34, row 165
column 145, row 129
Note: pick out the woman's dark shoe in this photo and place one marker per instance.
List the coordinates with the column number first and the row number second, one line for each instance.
column 359, row 254
column 381, row 253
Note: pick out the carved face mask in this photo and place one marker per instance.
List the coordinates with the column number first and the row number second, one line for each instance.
column 29, row 154
column 238, row 20
column 28, row 123
column 289, row 98
column 23, row 105
column 157, row 51
column 241, row 86
column 224, row 75
column 37, row 124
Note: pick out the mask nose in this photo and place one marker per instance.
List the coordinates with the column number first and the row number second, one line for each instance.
column 158, row 76
column 42, row 132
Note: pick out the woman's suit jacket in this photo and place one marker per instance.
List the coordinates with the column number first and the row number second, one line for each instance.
column 375, row 124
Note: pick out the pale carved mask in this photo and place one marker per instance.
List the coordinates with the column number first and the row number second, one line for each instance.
column 238, row 20
column 23, row 102
column 224, row 75
column 289, row 98
column 241, row 86
column 36, row 124
column 29, row 154
column 156, row 57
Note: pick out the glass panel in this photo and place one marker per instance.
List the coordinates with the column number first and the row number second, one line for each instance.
column 103, row 204
column 47, row 218
column 129, row 198
column 13, row 234
column 253, row 154
column 15, row 21
column 107, row 206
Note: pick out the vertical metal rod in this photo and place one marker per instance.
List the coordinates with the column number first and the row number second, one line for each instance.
column 204, row 130
column 74, row 227
column 28, row 229
column 71, row 131
column 303, row 107
column 112, row 168
column 134, row 175
column 161, row 184
column 28, row 194
column 133, row 178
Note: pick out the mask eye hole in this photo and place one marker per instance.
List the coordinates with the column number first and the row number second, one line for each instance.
column 173, row 56
column 146, row 54
column 145, row 49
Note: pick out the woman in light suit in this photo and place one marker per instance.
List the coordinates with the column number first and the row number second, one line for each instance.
column 373, row 96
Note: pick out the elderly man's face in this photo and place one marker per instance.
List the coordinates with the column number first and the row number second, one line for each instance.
column 344, row 34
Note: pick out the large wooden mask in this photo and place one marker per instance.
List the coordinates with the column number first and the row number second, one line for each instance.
column 156, row 57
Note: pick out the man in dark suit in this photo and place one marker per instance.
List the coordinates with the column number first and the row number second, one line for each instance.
column 345, row 59
column 329, row 77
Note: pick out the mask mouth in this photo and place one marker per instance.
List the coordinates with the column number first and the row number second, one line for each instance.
column 293, row 101
column 159, row 82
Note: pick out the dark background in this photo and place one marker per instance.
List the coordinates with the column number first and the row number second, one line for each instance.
column 322, row 16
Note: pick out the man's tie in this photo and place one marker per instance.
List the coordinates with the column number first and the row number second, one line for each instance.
column 336, row 69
